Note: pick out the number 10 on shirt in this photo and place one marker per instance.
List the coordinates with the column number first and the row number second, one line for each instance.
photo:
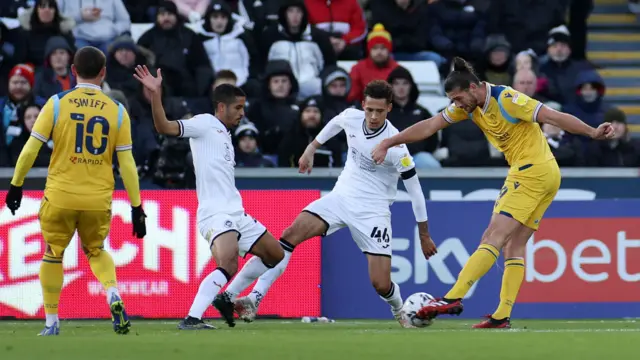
column 87, row 137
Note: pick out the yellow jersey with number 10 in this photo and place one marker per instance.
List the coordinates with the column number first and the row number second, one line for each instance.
column 508, row 120
column 86, row 127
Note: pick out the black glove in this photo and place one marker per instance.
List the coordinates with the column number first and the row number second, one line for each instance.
column 14, row 198
column 137, row 220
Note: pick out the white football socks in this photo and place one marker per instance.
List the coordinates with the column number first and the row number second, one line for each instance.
column 249, row 272
column 266, row 280
column 209, row 288
column 52, row 319
column 393, row 298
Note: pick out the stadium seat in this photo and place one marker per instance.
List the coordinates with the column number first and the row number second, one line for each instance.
column 433, row 103
column 425, row 74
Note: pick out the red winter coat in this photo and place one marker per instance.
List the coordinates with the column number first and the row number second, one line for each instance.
column 341, row 16
column 364, row 72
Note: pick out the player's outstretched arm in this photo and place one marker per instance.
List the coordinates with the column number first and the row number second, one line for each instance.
column 574, row 125
column 154, row 84
column 416, row 132
column 333, row 128
column 26, row 159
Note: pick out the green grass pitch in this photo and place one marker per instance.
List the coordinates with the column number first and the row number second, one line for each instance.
column 346, row 339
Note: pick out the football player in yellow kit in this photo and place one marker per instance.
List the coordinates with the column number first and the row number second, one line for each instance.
column 86, row 127
column 509, row 120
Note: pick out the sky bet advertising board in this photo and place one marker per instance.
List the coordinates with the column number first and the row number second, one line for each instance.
column 584, row 262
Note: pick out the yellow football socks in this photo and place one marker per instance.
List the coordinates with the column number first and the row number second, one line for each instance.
column 51, row 279
column 478, row 264
column 511, row 281
column 103, row 268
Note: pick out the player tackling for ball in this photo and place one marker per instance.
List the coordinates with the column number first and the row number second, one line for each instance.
column 87, row 127
column 222, row 220
column 509, row 121
column 360, row 200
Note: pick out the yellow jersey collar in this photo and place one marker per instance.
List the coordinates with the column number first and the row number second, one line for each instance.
column 90, row 86
column 487, row 98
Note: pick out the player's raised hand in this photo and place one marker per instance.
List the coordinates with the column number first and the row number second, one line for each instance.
column 153, row 83
column 604, row 132
column 305, row 164
column 379, row 153
column 14, row 198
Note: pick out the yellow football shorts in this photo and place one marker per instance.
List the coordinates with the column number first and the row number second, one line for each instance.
column 528, row 191
column 58, row 226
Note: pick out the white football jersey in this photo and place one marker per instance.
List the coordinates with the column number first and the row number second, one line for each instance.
column 361, row 178
column 213, row 159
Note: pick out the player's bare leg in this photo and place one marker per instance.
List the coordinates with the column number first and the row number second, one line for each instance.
column 305, row 226
column 225, row 254
column 380, row 275
column 501, row 229
column 514, row 251
column 267, row 254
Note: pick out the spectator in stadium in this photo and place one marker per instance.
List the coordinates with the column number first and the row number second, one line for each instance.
column 225, row 77
column 228, row 45
column 558, row 67
column 336, row 85
column 588, row 104
column 464, row 145
column 203, row 105
column 276, row 110
column 457, row 29
column 10, row 8
column 345, row 21
column 179, row 53
column 303, row 132
column 408, row 23
column 41, row 23
column 247, row 153
column 376, row 66
column 146, row 142
column 307, row 48
column 525, row 23
column 192, row 10
column 255, row 14
column 55, row 76
column 20, row 97
column 97, row 22
column 141, row 11
column 12, row 52
column 27, row 117
column 122, row 58
column 406, row 112
column 495, row 66
column 568, row 150
column 526, row 60
column 526, row 82
column 621, row 151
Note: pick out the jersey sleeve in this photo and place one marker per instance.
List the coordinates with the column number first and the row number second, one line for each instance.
column 44, row 123
column 194, row 127
column 333, row 128
column 402, row 160
column 124, row 142
column 518, row 106
column 453, row 114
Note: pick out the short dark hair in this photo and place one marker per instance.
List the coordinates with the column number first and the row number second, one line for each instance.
column 226, row 94
column 226, row 74
column 461, row 77
column 379, row 89
column 89, row 61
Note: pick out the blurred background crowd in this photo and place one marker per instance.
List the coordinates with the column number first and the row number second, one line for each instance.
column 288, row 54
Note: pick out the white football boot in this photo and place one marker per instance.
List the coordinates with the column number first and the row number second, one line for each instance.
column 402, row 318
column 245, row 308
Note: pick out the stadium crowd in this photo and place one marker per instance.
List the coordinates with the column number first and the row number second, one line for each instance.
column 284, row 54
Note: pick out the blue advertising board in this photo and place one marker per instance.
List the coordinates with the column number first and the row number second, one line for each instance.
column 584, row 262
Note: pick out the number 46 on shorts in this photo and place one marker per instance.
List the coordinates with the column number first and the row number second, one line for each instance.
column 381, row 235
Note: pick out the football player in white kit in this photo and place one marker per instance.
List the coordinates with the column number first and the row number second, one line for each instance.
column 221, row 218
column 360, row 200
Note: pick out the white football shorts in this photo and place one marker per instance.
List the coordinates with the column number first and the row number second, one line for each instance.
column 370, row 226
column 249, row 230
